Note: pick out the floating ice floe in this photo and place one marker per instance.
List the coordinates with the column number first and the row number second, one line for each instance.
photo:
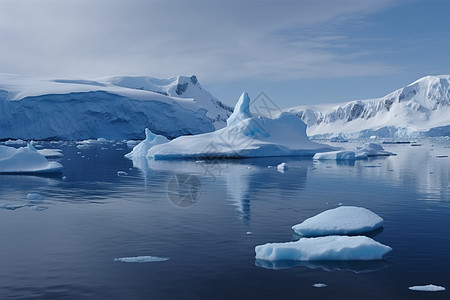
column 340, row 220
column 140, row 259
column 26, row 160
column 319, row 285
column 339, row 155
column 51, row 153
column 324, row 248
column 367, row 150
column 245, row 136
column 151, row 139
column 427, row 288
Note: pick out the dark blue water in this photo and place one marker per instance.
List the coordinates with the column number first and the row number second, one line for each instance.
column 64, row 246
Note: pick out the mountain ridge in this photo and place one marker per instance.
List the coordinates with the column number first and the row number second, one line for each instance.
column 421, row 108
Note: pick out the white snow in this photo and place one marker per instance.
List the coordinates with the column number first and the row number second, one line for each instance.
column 427, row 288
column 244, row 136
column 419, row 109
column 340, row 220
column 282, row 167
column 112, row 108
column 151, row 139
column 324, row 248
column 51, row 153
column 25, row 160
column 140, row 259
column 319, row 285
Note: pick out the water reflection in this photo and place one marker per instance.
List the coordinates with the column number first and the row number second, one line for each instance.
column 243, row 180
column 357, row 266
column 421, row 168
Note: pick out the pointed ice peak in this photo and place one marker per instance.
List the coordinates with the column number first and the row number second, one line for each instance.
column 241, row 110
column 149, row 136
column 31, row 147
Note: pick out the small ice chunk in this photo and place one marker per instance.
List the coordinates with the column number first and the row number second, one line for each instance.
column 340, row 220
column 282, row 167
column 101, row 140
column 319, row 285
column 332, row 247
column 122, row 173
column 141, row 259
column 427, row 288
column 249, row 233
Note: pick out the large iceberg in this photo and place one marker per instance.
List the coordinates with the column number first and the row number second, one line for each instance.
column 324, row 248
column 114, row 107
column 340, row 220
column 245, row 136
column 26, row 160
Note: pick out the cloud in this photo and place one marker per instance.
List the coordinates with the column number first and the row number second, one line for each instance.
column 217, row 40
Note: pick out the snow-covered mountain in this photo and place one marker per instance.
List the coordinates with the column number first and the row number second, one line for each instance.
column 419, row 109
column 114, row 107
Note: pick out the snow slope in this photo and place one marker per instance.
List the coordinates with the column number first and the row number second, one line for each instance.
column 114, row 107
column 244, row 136
column 419, row 109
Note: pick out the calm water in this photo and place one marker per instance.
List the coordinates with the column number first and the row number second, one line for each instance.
column 64, row 246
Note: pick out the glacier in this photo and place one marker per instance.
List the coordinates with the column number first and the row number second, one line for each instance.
column 116, row 107
column 420, row 109
column 244, row 136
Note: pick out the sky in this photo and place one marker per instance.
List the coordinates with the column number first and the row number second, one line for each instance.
column 297, row 52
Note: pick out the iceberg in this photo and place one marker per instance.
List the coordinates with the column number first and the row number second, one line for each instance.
column 51, row 153
column 338, row 155
column 324, row 248
column 427, row 288
column 114, row 108
column 25, row 160
column 340, row 220
column 151, row 139
column 282, row 167
column 244, row 136
column 372, row 149
column 367, row 150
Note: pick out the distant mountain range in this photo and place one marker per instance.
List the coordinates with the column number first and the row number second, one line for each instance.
column 118, row 107
column 419, row 109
